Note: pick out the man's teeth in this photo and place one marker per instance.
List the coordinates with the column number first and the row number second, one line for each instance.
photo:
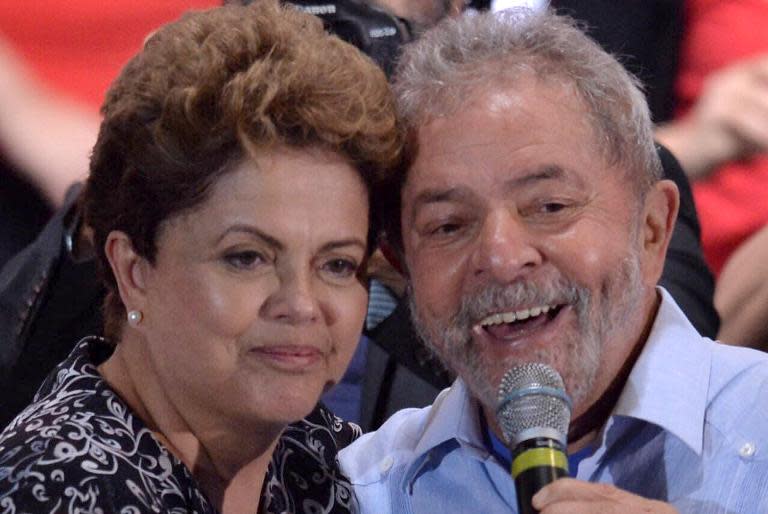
column 509, row 317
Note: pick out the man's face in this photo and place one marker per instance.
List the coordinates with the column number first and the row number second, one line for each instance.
column 522, row 244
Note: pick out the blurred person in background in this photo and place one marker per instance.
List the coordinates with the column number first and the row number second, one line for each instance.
column 741, row 295
column 58, row 59
column 720, row 129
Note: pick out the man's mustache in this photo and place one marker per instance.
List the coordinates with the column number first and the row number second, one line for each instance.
column 494, row 298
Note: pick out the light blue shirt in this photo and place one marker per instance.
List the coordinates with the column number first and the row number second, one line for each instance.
column 690, row 428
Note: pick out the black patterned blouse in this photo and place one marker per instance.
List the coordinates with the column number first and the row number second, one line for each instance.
column 79, row 448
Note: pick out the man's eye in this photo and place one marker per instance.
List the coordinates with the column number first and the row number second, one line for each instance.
column 552, row 207
column 243, row 260
column 446, row 228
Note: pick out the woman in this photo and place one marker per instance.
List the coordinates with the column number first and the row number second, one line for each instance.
column 229, row 203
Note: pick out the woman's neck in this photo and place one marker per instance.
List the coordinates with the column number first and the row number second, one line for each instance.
column 229, row 459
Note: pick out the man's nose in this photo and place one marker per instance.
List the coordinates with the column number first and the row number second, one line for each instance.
column 506, row 248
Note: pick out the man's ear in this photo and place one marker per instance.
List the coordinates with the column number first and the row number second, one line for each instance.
column 129, row 268
column 659, row 215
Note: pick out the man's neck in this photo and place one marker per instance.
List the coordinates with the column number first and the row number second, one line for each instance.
column 588, row 422
column 584, row 429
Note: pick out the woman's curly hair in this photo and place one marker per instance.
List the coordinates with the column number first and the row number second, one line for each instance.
column 216, row 87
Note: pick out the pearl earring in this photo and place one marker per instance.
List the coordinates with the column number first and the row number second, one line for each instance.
column 135, row 317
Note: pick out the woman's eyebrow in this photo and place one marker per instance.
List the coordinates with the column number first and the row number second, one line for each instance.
column 253, row 231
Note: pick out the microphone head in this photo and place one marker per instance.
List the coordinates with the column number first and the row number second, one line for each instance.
column 532, row 402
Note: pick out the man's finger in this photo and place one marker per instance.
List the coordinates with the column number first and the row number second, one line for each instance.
column 575, row 496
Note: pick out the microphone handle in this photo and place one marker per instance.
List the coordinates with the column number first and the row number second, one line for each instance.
column 536, row 463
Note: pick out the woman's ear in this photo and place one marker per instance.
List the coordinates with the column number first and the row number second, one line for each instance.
column 129, row 268
column 659, row 215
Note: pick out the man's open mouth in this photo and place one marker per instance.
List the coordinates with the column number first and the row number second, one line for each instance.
column 511, row 323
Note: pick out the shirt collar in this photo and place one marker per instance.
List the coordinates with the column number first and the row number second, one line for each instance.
column 454, row 422
column 669, row 384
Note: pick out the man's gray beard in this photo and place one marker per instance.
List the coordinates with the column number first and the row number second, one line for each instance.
column 577, row 363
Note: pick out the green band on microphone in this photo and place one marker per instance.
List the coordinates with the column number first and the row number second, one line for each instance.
column 537, row 457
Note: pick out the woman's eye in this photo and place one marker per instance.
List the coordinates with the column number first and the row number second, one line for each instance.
column 341, row 267
column 244, row 259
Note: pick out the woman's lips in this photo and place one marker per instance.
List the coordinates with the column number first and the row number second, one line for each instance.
column 288, row 357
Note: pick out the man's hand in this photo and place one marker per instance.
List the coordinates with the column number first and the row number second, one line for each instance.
column 569, row 496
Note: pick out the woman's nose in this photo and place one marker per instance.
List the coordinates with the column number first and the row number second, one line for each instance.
column 295, row 299
column 506, row 249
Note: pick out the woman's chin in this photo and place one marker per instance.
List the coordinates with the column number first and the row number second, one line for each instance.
column 286, row 405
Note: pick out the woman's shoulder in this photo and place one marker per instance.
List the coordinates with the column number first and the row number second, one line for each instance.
column 71, row 396
column 79, row 447
column 321, row 422
column 74, row 403
column 319, row 436
column 305, row 465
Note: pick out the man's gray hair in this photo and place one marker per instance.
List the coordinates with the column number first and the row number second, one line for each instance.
column 484, row 52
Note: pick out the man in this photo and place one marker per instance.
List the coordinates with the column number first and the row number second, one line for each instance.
column 533, row 228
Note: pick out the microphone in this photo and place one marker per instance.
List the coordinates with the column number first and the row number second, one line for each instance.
column 533, row 413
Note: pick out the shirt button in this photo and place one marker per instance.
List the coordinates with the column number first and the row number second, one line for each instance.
column 748, row 450
column 386, row 464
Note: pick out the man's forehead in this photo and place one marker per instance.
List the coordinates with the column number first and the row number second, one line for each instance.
column 515, row 122
column 438, row 187
column 526, row 98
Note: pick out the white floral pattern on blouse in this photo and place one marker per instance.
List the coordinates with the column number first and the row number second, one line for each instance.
column 79, row 448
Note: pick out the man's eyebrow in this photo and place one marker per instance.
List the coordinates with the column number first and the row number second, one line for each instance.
column 540, row 174
column 435, row 195
column 458, row 193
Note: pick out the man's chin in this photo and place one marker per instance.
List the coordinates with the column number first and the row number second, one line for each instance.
column 482, row 382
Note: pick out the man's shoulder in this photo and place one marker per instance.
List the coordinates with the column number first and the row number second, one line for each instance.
column 735, row 368
column 738, row 390
column 375, row 462
column 396, row 441
column 400, row 434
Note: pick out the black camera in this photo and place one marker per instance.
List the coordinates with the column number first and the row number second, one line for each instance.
column 374, row 31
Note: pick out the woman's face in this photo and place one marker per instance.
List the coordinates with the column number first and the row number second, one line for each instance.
column 254, row 304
